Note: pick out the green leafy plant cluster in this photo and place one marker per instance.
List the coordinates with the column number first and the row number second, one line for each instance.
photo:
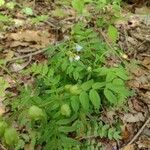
column 99, row 129
column 8, row 135
column 28, row 11
column 69, row 88
column 80, row 5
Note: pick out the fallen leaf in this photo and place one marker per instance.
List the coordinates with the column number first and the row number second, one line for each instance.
column 144, row 143
column 146, row 131
column 128, row 147
column 18, row 43
column 15, row 67
column 37, row 39
column 142, row 10
column 28, row 36
column 138, row 105
column 125, row 133
column 146, row 62
column 9, row 55
column 146, row 97
column 130, row 118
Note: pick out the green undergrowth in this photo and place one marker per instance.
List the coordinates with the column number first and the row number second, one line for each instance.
column 61, row 109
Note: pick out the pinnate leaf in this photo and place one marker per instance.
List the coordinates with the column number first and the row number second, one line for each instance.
column 78, row 5
column 110, row 96
column 95, row 98
column 113, row 33
column 98, row 85
column 87, row 85
column 75, row 103
column 84, row 100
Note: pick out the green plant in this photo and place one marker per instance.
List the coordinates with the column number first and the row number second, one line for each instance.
column 39, row 19
column 8, row 135
column 78, row 5
column 9, row 5
column 28, row 11
column 11, row 137
column 99, row 130
column 72, row 85
column 3, row 86
column 2, row 2
column 3, row 126
column 5, row 19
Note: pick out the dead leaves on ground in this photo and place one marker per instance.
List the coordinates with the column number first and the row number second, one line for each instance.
column 32, row 38
column 132, row 118
column 128, row 147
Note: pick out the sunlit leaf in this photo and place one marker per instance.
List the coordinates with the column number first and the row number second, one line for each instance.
column 84, row 100
column 28, row 11
column 113, row 33
column 95, row 98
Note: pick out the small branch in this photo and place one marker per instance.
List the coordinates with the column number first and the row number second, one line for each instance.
column 3, row 148
column 138, row 133
column 27, row 55
column 107, row 42
column 86, row 137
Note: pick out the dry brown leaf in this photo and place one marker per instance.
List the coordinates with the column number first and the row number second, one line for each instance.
column 18, row 43
column 133, row 84
column 142, row 10
column 144, row 143
column 146, row 131
column 14, row 67
column 146, row 62
column 29, row 36
column 130, row 118
column 9, row 55
column 37, row 39
column 109, row 145
column 125, row 133
column 138, row 105
column 146, row 97
column 128, row 147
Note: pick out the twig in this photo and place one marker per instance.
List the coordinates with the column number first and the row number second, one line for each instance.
column 3, row 148
column 22, row 66
column 86, row 137
column 10, row 74
column 107, row 42
column 138, row 133
column 147, row 55
column 27, row 55
column 126, row 35
column 26, row 50
column 137, row 47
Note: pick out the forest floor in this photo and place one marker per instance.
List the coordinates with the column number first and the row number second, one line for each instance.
column 23, row 42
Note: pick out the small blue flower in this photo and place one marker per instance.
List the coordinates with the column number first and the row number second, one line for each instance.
column 78, row 47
